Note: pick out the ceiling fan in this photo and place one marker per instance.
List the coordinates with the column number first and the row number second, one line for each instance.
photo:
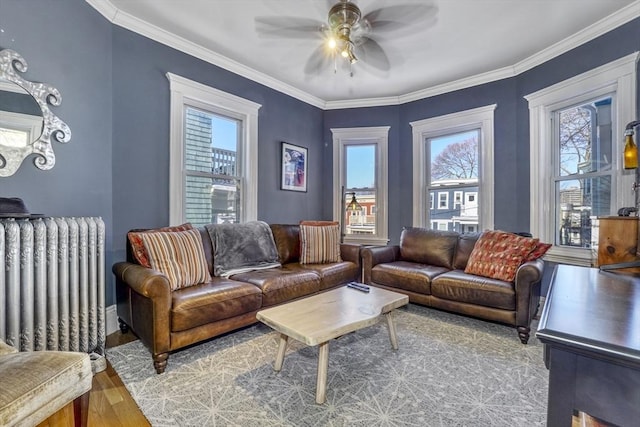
column 348, row 33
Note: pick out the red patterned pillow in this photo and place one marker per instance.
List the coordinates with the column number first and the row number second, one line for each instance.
column 538, row 251
column 137, row 247
column 498, row 254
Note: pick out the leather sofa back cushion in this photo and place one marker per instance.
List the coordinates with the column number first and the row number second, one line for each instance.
column 287, row 238
column 466, row 243
column 433, row 247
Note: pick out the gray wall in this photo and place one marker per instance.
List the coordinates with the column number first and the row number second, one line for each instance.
column 116, row 102
column 68, row 45
column 511, row 128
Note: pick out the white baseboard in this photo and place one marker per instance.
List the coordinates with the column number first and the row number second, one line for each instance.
column 111, row 319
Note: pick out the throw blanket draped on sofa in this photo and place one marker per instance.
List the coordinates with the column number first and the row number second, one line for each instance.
column 242, row 247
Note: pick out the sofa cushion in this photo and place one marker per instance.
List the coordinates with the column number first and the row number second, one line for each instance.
column 498, row 254
column 242, row 247
column 409, row 276
column 287, row 238
column 137, row 246
column 279, row 285
column 431, row 247
column 209, row 302
column 319, row 242
column 179, row 255
column 458, row 286
column 466, row 243
column 333, row 274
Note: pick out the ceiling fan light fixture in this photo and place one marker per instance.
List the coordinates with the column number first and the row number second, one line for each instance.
column 344, row 14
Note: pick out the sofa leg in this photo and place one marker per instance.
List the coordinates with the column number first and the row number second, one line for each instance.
column 124, row 328
column 160, row 362
column 81, row 410
column 523, row 333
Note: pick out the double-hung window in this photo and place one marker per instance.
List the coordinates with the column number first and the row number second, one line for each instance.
column 213, row 159
column 360, row 167
column 576, row 143
column 453, row 164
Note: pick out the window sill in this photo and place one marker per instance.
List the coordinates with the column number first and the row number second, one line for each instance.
column 368, row 240
column 572, row 256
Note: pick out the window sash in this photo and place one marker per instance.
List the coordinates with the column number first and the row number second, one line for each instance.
column 617, row 77
column 185, row 92
column 422, row 130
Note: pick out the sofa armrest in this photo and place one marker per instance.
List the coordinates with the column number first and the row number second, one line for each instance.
column 148, row 304
column 350, row 252
column 527, row 287
column 145, row 281
column 374, row 255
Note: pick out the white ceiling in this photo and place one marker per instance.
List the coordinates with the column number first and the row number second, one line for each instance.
column 459, row 43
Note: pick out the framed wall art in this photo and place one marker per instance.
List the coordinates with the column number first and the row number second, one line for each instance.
column 294, row 168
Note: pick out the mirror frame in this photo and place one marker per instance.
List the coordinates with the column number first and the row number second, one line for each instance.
column 11, row 64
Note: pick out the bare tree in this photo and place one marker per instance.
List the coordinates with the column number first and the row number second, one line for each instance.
column 457, row 160
column 575, row 139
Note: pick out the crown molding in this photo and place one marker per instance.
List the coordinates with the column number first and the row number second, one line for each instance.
column 125, row 20
column 130, row 22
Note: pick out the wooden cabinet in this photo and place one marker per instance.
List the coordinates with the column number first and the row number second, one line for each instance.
column 618, row 241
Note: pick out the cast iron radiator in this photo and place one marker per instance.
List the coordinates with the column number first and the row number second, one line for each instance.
column 52, row 284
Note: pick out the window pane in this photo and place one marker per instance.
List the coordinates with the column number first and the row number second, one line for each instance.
column 212, row 183
column 580, row 201
column 360, row 178
column 453, row 180
column 211, row 200
column 461, row 217
column 585, row 138
column 454, row 156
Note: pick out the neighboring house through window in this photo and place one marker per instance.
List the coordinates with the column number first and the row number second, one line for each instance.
column 453, row 158
column 213, row 155
column 576, row 152
column 360, row 166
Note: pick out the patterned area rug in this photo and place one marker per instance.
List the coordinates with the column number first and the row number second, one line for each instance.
column 450, row 370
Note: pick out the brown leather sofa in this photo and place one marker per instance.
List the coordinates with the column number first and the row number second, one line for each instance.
column 166, row 320
column 438, row 279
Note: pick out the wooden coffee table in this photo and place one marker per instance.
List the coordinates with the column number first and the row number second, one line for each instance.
column 320, row 318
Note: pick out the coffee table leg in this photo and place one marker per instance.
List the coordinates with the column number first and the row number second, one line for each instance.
column 392, row 331
column 323, row 367
column 281, row 349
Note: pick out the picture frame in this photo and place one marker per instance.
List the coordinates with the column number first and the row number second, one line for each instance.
column 294, row 165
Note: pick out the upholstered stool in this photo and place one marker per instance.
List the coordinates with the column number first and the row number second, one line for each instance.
column 35, row 385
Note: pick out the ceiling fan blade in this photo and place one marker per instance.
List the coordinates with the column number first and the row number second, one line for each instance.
column 373, row 54
column 398, row 17
column 320, row 58
column 288, row 26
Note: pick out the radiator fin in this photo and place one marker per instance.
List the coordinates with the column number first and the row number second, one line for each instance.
column 52, row 284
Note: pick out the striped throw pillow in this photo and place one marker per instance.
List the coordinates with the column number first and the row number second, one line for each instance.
column 179, row 255
column 137, row 247
column 319, row 242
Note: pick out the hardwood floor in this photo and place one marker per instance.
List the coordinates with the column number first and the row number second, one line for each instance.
column 110, row 404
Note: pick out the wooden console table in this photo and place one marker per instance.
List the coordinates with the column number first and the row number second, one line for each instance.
column 590, row 327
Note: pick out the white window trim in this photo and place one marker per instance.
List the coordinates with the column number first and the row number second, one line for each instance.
column 618, row 76
column 482, row 118
column 458, row 201
column 363, row 135
column 446, row 200
column 185, row 91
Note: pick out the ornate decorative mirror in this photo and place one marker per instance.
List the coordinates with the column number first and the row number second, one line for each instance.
column 27, row 125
